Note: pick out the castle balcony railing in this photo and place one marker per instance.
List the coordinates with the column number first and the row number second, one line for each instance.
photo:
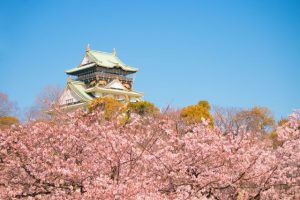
column 103, row 75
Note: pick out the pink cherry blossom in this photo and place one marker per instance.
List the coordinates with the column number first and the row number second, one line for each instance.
column 81, row 156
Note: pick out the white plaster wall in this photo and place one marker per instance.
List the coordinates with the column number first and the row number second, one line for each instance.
column 68, row 95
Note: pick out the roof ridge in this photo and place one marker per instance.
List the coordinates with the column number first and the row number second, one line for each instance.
column 103, row 52
column 101, row 58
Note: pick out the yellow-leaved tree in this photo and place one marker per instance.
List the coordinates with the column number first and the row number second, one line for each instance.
column 143, row 108
column 257, row 119
column 195, row 113
column 7, row 108
column 7, row 121
column 109, row 105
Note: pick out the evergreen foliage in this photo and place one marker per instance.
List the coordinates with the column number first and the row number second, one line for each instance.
column 143, row 108
column 109, row 105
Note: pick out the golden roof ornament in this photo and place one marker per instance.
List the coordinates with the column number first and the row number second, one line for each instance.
column 97, row 77
column 69, row 79
column 88, row 47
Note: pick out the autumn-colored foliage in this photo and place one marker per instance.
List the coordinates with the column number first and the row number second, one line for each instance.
column 204, row 104
column 257, row 119
column 147, row 158
column 109, row 105
column 234, row 120
column 282, row 121
column 196, row 113
column 7, row 121
column 273, row 137
column 143, row 108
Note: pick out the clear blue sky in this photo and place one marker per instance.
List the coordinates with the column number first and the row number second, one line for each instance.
column 231, row 53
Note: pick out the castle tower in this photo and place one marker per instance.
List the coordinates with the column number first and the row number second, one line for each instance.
column 100, row 74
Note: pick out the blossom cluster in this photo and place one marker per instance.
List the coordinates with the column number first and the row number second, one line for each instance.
column 82, row 156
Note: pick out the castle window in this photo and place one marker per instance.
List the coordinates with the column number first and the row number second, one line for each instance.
column 68, row 101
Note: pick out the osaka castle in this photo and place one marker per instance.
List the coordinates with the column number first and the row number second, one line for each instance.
column 100, row 74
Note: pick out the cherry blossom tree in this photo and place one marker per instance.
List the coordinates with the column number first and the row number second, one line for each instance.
column 7, row 107
column 46, row 99
column 87, row 157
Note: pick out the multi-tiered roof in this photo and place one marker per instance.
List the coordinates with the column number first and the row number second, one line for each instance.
column 99, row 74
